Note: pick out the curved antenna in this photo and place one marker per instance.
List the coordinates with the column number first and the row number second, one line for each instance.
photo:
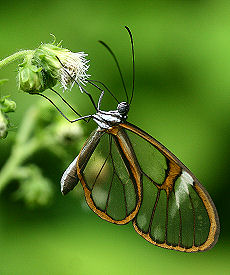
column 118, row 67
column 132, row 45
column 46, row 97
column 97, row 81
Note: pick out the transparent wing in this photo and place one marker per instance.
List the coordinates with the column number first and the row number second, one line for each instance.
column 176, row 211
column 111, row 190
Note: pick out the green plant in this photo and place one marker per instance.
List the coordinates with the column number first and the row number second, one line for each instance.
column 42, row 127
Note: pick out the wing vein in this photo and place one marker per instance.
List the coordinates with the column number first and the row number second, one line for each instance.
column 166, row 219
column 154, row 209
column 180, row 228
column 194, row 219
column 123, row 185
column 110, row 187
column 100, row 171
column 148, row 177
column 126, row 210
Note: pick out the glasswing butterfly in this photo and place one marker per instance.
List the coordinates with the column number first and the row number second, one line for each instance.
column 135, row 178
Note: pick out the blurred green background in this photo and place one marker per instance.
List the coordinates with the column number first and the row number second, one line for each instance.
column 182, row 98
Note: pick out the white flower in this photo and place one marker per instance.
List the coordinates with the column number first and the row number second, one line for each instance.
column 75, row 68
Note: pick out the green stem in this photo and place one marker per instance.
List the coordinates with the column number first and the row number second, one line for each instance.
column 23, row 148
column 14, row 57
column 13, row 165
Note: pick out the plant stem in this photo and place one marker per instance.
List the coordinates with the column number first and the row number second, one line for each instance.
column 12, row 167
column 23, row 148
column 14, row 57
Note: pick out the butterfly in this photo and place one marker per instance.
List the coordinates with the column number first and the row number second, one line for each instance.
column 127, row 175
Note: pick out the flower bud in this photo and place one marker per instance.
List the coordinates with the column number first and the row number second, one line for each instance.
column 30, row 78
column 4, row 123
column 7, row 105
column 43, row 67
column 62, row 64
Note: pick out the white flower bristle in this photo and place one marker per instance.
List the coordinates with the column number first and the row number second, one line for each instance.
column 75, row 68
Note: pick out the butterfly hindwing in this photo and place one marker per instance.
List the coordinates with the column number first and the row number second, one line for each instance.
column 176, row 211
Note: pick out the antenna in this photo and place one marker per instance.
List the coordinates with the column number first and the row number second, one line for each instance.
column 118, row 66
column 133, row 59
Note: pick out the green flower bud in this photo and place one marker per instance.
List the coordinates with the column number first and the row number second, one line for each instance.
column 46, row 55
column 49, row 63
column 62, row 64
column 4, row 123
column 30, row 78
column 7, row 105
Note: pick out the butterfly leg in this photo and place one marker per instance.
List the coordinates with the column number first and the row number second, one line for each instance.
column 88, row 94
column 74, row 120
column 80, row 118
column 66, row 102
column 99, row 101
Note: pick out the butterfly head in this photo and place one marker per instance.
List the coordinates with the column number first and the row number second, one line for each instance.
column 123, row 108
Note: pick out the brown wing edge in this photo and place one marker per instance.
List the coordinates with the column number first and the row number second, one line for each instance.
column 84, row 155
column 205, row 197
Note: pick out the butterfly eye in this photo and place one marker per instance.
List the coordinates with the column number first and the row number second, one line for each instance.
column 123, row 108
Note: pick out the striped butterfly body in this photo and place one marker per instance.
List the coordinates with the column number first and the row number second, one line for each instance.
column 135, row 178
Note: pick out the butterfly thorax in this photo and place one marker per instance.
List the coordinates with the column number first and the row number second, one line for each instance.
column 107, row 119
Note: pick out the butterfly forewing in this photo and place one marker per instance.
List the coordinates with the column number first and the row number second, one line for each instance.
column 110, row 187
column 176, row 211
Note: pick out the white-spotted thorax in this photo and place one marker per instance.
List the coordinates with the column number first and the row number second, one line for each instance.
column 107, row 119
